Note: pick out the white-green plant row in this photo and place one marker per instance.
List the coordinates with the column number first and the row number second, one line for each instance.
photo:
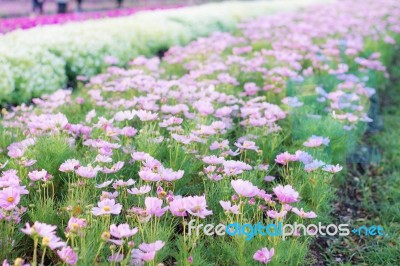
column 42, row 59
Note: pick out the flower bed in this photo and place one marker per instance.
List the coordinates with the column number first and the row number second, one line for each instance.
column 11, row 24
column 233, row 128
column 43, row 59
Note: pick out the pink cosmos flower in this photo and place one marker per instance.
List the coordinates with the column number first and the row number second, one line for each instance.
column 244, row 188
column 107, row 206
column 69, row 165
column 156, row 246
column 108, row 195
column 251, row 88
column 148, row 175
column 304, row 157
column 146, row 115
column 276, row 215
column 68, row 255
column 124, row 115
column 178, row 207
column 103, row 159
column 229, row 208
column 197, row 206
column 264, row 255
column 219, row 145
column 303, row 214
column 76, row 224
column 232, row 168
column 146, row 252
column 87, row 171
column 286, row 194
column 212, row 159
column 121, row 183
column 140, row 156
column 46, row 232
column 269, row 178
column 121, row 231
column 285, row 158
column 142, row 190
column 262, row 167
column 314, row 165
column 37, row 175
column 316, row 141
column 168, row 174
column 28, row 163
column 153, row 206
column 332, row 168
column 104, row 184
column 9, row 198
column 247, row 145
column 115, row 168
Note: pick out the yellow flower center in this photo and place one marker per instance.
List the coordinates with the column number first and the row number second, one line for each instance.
column 10, row 199
column 106, row 208
column 45, row 241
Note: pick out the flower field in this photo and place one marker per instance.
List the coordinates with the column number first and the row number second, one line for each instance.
column 251, row 125
column 45, row 59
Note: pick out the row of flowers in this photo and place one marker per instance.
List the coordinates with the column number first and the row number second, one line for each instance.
column 43, row 59
column 241, row 127
column 11, row 24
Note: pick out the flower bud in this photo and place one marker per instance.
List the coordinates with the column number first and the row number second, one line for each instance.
column 105, row 236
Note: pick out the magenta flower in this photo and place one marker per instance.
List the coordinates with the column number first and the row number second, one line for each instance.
column 244, row 188
column 286, row 194
column 107, row 206
column 9, row 198
column 303, row 214
column 264, row 255
column 68, row 255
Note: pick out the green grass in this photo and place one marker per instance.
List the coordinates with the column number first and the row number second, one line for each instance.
column 373, row 192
